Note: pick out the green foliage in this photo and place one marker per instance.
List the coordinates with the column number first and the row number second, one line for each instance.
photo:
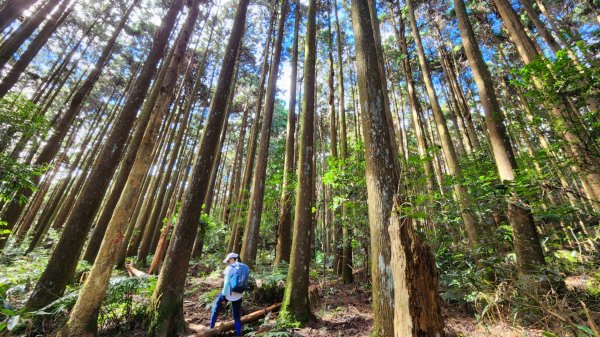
column 20, row 116
column 551, row 83
column 270, row 283
column 347, row 178
column 206, row 298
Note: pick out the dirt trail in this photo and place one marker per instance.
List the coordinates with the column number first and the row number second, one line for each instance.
column 341, row 311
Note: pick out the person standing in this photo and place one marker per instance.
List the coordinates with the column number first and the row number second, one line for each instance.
column 228, row 295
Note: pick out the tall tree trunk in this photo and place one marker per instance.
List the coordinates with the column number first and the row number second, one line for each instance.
column 237, row 167
column 415, row 106
column 526, row 241
column 382, row 184
column 346, row 229
column 251, row 231
column 84, row 314
column 166, row 306
column 474, row 232
column 284, row 225
column 382, row 72
column 295, row 306
column 235, row 242
column 12, row 45
column 333, row 214
column 34, row 47
column 585, row 158
column 12, row 9
column 61, row 266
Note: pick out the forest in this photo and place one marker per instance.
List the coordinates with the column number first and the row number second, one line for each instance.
column 397, row 168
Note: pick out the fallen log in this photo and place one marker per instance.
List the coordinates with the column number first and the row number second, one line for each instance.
column 132, row 271
column 197, row 330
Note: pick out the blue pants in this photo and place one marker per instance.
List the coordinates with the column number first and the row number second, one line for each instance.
column 235, row 307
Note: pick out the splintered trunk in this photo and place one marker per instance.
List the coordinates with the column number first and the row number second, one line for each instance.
column 417, row 305
column 63, row 262
column 474, row 232
column 284, row 232
column 166, row 306
column 295, row 306
column 526, row 241
column 399, row 276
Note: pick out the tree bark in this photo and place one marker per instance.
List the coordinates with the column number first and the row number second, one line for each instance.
column 12, row 9
column 235, row 241
column 295, row 306
column 474, row 232
column 381, row 168
column 166, row 306
column 526, row 240
column 251, row 231
column 284, row 225
column 61, row 266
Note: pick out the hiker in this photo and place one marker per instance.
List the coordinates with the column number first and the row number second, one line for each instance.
column 235, row 282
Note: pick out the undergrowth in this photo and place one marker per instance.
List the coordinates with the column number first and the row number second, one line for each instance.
column 122, row 308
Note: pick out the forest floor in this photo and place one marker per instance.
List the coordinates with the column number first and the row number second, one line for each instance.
column 340, row 310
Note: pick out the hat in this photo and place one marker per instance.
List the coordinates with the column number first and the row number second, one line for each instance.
column 231, row 256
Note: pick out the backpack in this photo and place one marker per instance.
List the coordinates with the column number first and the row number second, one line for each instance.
column 238, row 277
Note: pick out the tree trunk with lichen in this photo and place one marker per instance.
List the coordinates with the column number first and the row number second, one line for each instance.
column 381, row 168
